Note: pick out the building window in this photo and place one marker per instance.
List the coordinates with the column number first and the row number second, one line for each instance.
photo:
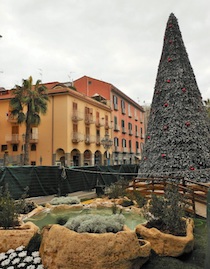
column 124, row 143
column 116, row 141
column 33, row 163
column 115, row 102
column 33, row 147
column 15, row 147
column 123, row 106
column 123, row 126
column 3, row 147
column 129, row 111
column 130, row 128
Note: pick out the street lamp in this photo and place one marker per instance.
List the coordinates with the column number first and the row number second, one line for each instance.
column 107, row 143
column 23, row 149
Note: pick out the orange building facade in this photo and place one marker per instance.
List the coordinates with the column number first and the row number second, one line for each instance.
column 127, row 119
column 69, row 134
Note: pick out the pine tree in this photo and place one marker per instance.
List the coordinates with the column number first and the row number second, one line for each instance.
column 178, row 138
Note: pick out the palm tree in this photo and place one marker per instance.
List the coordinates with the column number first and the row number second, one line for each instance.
column 28, row 103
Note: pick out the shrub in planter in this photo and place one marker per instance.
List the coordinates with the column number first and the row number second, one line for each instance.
column 118, row 189
column 96, row 223
column 166, row 212
column 8, row 211
column 68, row 200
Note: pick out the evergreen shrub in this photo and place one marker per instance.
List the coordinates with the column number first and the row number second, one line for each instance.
column 118, row 189
column 166, row 212
column 8, row 210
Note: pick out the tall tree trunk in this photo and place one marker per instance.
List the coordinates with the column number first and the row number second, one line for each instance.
column 27, row 142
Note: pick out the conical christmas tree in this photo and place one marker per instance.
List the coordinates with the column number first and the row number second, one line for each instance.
column 178, row 139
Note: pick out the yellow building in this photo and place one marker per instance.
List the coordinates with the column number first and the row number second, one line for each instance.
column 69, row 134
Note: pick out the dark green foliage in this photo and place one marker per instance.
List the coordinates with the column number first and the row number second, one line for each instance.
column 61, row 220
column 34, row 243
column 8, row 212
column 118, row 189
column 166, row 213
column 127, row 203
column 136, row 196
column 23, row 206
column 96, row 223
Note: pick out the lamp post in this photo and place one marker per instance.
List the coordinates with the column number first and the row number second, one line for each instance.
column 107, row 143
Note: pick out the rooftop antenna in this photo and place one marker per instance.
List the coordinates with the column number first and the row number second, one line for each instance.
column 40, row 73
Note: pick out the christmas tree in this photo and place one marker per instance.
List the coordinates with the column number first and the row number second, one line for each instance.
column 178, row 138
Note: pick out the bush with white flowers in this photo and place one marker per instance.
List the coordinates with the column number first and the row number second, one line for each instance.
column 19, row 259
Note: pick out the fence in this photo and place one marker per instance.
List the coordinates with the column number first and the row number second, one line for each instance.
column 50, row 180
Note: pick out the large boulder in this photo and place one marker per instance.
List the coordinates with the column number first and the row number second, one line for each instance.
column 64, row 249
column 20, row 236
column 167, row 244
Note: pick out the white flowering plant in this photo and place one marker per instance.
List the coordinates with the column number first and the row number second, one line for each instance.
column 20, row 259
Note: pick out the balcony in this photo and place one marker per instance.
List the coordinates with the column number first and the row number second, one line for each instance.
column 115, row 106
column 116, row 127
column 76, row 116
column 89, row 119
column 99, row 123
column 137, row 134
column 130, row 132
column 116, row 149
column 123, row 111
column 13, row 138
column 34, row 138
column 130, row 115
column 123, row 130
column 89, row 139
column 136, row 118
column 98, row 140
column 77, row 137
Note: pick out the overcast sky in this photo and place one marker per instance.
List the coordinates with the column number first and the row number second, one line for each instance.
column 117, row 41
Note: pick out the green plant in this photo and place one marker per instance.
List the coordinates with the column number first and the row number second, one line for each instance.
column 166, row 213
column 126, row 203
column 65, row 200
column 118, row 189
column 23, row 206
column 61, row 220
column 136, row 196
column 34, row 243
column 96, row 223
column 8, row 211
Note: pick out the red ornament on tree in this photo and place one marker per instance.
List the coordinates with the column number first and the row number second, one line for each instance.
column 170, row 41
column 148, row 137
column 184, row 89
column 192, row 168
column 170, row 25
column 169, row 59
column 166, row 104
column 165, row 127
column 163, row 155
column 168, row 81
column 187, row 123
column 145, row 158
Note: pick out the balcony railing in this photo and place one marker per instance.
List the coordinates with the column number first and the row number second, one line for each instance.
column 89, row 139
column 99, row 123
column 130, row 132
column 76, row 116
column 12, row 138
column 34, row 138
column 77, row 137
column 123, row 130
column 98, row 140
column 116, row 127
column 89, row 119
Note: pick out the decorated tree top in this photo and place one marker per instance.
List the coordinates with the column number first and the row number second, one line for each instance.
column 178, row 139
